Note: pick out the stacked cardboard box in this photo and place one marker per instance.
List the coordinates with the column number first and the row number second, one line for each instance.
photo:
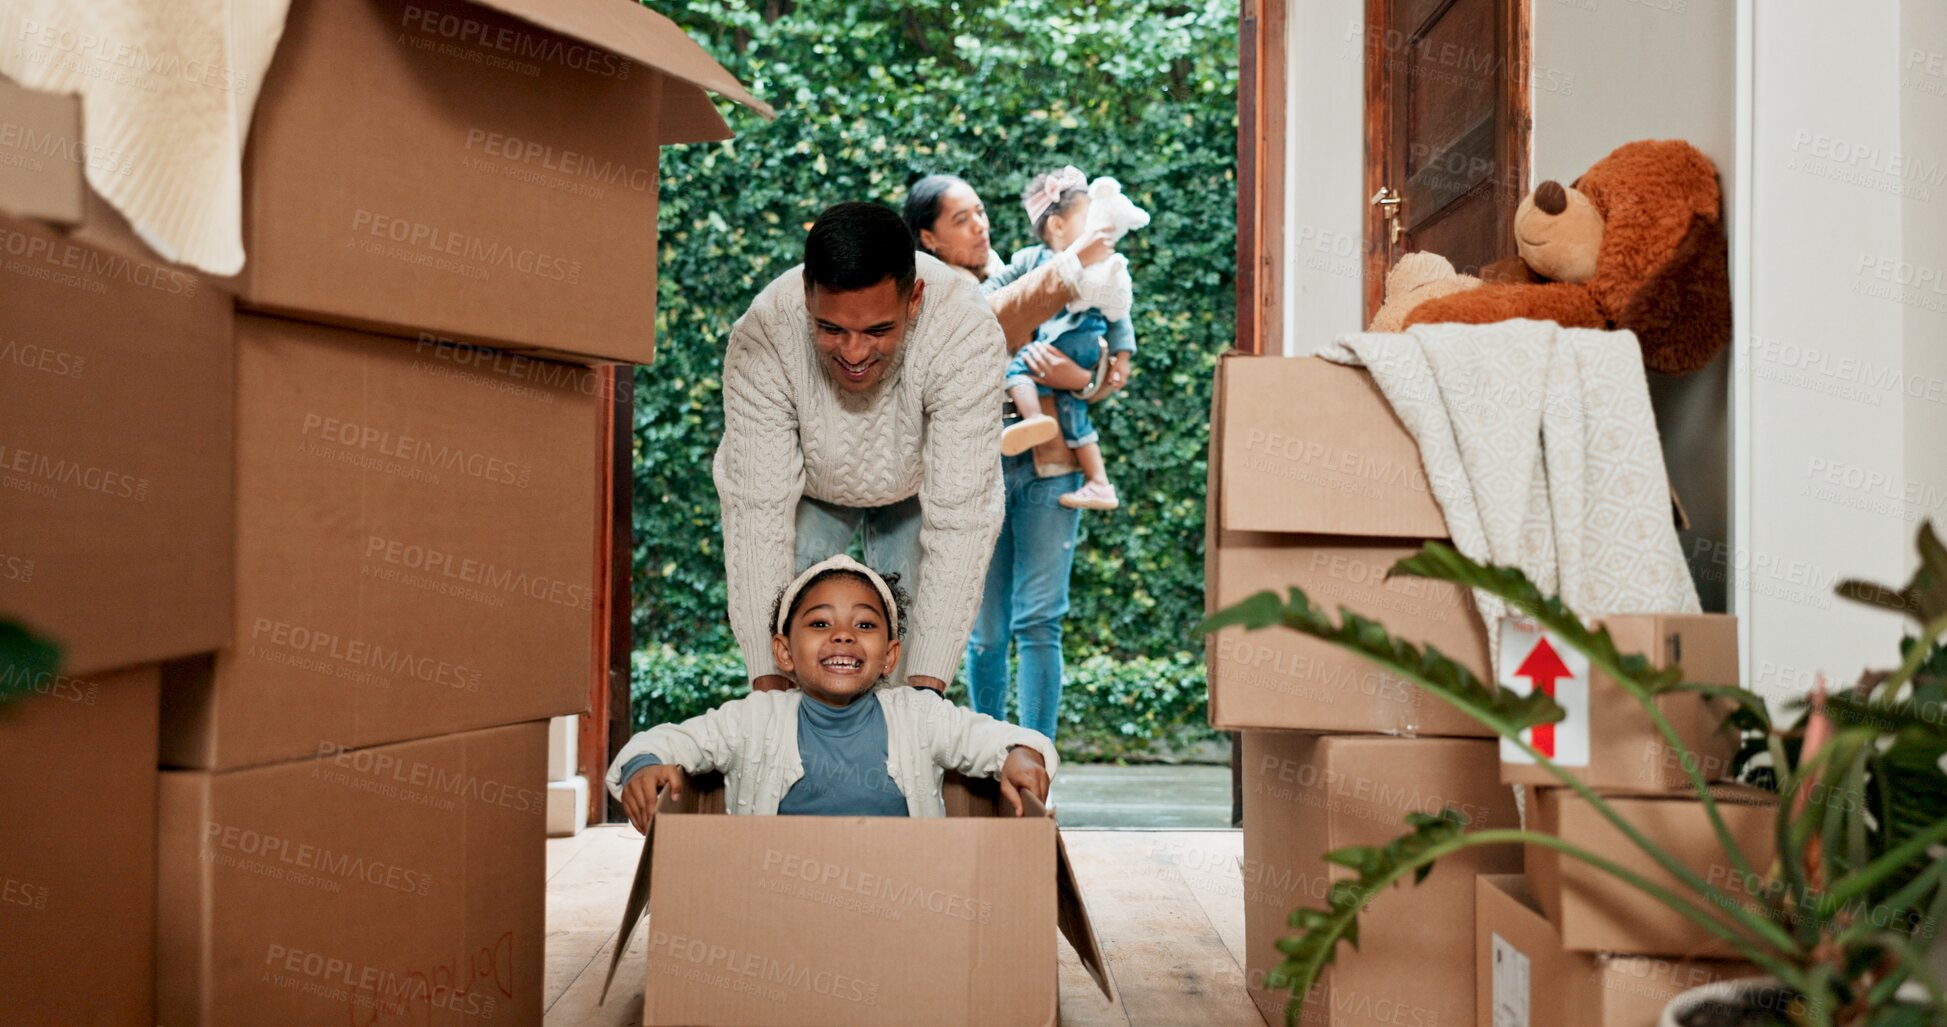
column 1314, row 483
column 352, row 824
column 115, row 525
column 367, row 545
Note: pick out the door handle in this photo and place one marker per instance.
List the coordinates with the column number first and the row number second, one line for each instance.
column 1391, row 206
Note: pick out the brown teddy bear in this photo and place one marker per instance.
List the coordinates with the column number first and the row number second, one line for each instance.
column 1637, row 243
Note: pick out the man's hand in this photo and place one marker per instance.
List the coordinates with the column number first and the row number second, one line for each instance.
column 1051, row 367
column 922, row 681
column 641, row 793
column 1118, row 376
column 1093, row 247
column 772, row 683
column 1023, row 771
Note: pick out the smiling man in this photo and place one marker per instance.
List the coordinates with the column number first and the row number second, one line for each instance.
column 861, row 393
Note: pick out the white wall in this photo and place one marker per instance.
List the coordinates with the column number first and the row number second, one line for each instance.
column 1923, row 139
column 1822, row 342
column 1608, row 72
column 1324, row 172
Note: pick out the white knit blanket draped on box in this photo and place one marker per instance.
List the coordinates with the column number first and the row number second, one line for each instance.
column 167, row 87
column 1541, row 447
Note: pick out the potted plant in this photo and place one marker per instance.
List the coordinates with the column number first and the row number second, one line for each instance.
column 1841, row 920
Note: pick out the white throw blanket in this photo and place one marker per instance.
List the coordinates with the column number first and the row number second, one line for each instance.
column 167, row 88
column 1541, row 447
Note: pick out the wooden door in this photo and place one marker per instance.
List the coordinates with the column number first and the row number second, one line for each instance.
column 1446, row 131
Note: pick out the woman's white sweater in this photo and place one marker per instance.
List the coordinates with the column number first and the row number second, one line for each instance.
column 931, row 427
column 754, row 742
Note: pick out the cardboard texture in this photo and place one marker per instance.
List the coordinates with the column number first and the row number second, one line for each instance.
column 77, row 850
column 41, row 154
column 1306, row 795
column 1314, row 483
column 942, row 921
column 1524, row 978
column 497, row 183
column 115, row 452
column 417, row 530
column 1625, row 749
column 398, row 884
column 1597, row 913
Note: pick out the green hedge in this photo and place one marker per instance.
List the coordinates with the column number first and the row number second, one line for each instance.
column 871, row 96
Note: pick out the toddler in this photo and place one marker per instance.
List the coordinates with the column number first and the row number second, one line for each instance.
column 842, row 743
column 1094, row 332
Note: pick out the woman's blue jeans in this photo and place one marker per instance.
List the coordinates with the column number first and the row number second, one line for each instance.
column 1026, row 598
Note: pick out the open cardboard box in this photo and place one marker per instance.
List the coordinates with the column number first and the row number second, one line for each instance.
column 480, row 171
column 855, row 920
column 1314, row 482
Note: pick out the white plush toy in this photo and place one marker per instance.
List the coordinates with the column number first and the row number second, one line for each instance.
column 1106, row 285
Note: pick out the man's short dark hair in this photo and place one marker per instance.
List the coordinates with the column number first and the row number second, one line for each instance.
column 856, row 246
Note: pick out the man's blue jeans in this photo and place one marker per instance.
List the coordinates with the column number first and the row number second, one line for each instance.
column 891, row 540
column 1026, row 598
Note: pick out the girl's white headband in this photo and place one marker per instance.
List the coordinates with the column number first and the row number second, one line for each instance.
column 841, row 562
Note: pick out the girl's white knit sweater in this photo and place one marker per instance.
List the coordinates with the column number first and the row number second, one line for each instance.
column 931, row 428
column 754, row 742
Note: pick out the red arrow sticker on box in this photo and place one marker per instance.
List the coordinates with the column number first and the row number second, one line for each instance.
column 1533, row 660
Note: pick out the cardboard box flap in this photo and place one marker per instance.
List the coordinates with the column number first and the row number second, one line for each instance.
column 41, row 153
column 648, row 38
column 701, row 794
column 1071, row 912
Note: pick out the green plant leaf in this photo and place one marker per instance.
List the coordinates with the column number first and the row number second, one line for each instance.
column 26, row 660
column 1924, row 598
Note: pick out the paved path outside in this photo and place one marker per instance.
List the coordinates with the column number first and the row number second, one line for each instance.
column 1147, row 796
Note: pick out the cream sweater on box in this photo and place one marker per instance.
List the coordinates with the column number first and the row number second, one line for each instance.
column 754, row 742
column 931, row 428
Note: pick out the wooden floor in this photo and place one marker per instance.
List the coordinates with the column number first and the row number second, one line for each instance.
column 1167, row 905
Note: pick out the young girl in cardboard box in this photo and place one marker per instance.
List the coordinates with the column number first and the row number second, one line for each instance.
column 843, row 743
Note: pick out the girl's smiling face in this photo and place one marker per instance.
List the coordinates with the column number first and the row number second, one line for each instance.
column 840, row 645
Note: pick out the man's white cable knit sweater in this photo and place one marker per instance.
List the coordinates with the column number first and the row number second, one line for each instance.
column 931, row 427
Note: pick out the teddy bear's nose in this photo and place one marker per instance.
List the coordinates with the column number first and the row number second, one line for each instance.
column 1551, row 198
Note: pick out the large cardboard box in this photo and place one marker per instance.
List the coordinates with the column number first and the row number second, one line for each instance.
column 1524, row 978
column 1619, row 746
column 480, row 171
column 1595, row 912
column 77, row 850
column 41, row 154
column 1306, row 795
column 1314, row 483
column 115, row 451
column 772, row 921
column 398, row 884
column 416, row 547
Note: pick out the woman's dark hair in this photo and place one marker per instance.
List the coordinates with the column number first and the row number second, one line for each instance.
column 857, row 245
column 1060, row 206
column 922, row 209
column 899, row 597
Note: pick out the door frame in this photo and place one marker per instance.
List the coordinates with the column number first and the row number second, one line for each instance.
column 1515, row 104
column 1262, row 54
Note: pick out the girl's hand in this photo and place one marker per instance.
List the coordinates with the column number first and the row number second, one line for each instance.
column 1093, row 247
column 1023, row 771
column 643, row 790
column 1118, row 376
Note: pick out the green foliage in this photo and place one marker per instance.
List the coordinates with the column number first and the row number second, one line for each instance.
column 873, row 94
column 26, row 660
column 1111, row 710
